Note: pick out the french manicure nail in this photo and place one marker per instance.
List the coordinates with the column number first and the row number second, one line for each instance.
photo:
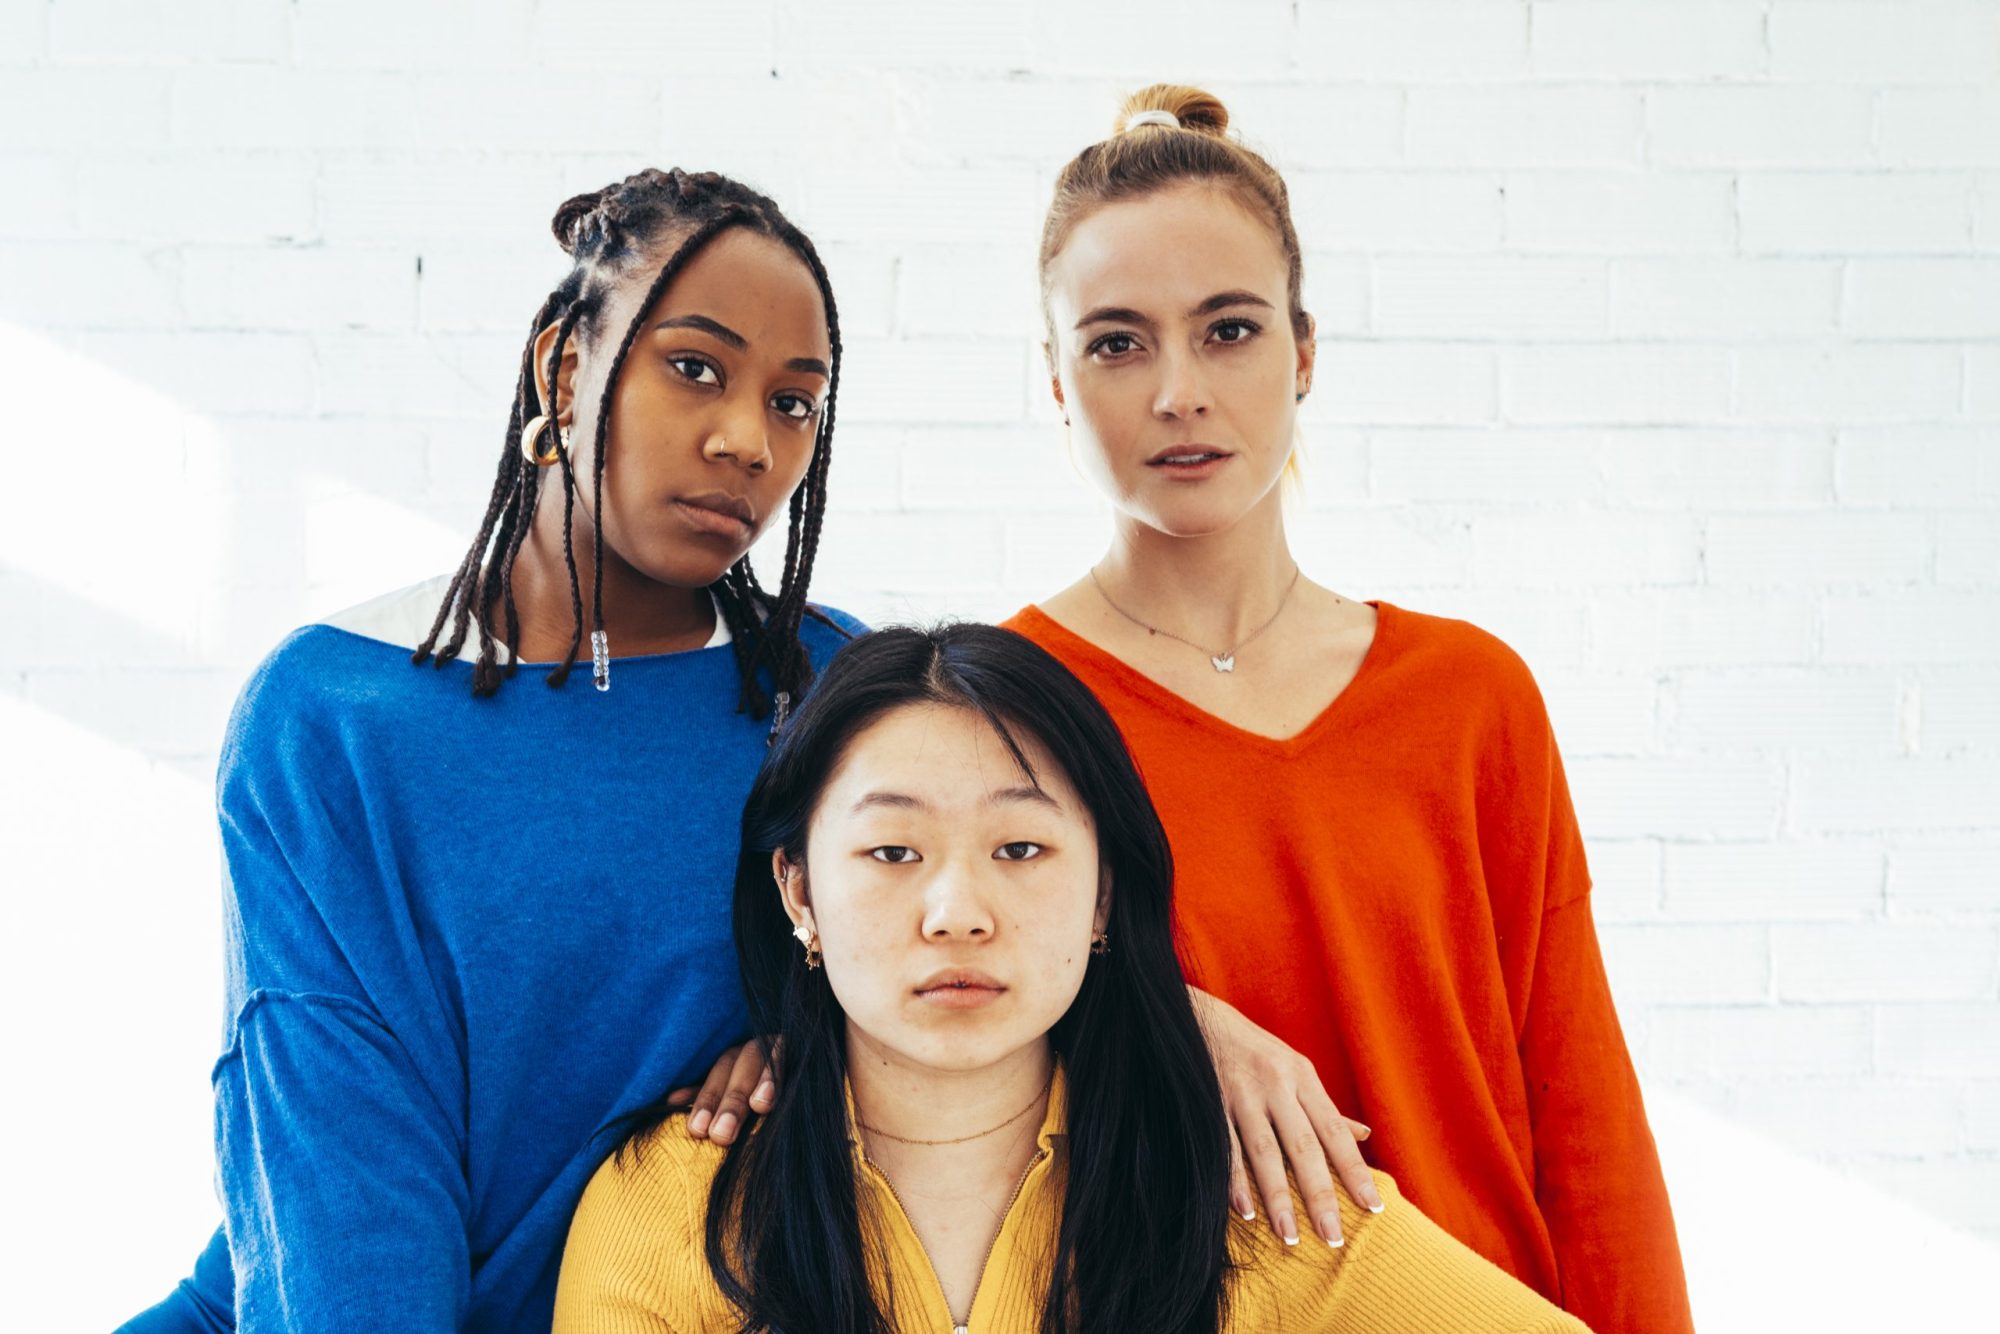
column 1289, row 1230
column 1329, row 1229
column 1249, row 1215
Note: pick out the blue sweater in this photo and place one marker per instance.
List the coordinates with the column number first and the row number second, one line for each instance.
column 467, row 940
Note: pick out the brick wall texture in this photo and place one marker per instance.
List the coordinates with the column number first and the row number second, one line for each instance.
column 1661, row 337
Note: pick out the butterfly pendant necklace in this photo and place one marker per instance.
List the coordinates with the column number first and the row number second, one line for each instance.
column 1224, row 661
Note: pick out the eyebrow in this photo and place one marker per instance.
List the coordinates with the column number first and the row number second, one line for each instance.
column 903, row 801
column 1126, row 315
column 722, row 332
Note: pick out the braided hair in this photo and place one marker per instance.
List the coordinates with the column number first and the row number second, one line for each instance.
column 604, row 231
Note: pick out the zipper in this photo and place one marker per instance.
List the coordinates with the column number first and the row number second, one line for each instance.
column 961, row 1326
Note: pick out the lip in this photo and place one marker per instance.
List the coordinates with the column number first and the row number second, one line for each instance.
column 1159, row 459
column 959, row 989
column 718, row 512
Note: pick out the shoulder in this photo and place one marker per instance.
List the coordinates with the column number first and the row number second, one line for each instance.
column 657, row 1183
column 1444, row 658
column 324, row 676
column 638, row 1240
column 1457, row 646
column 402, row 618
column 843, row 628
column 1396, row 1269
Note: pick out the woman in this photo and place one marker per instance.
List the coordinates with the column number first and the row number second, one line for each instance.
column 457, row 961
column 443, row 886
column 1378, row 859
column 997, row 1113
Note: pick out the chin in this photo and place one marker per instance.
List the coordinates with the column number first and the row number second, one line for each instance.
column 1192, row 517
column 682, row 568
column 1186, row 511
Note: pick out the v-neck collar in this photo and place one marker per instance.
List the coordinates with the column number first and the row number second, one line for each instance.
column 1026, row 1197
column 1073, row 645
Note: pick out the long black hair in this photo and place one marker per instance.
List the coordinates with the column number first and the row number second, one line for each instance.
column 1143, row 1240
column 605, row 232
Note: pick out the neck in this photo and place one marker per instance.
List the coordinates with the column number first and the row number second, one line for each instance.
column 914, row 1102
column 641, row 615
column 1215, row 589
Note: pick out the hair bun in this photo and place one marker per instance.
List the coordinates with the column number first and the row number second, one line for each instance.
column 1194, row 108
column 569, row 219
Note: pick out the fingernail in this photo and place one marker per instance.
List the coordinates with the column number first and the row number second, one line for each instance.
column 725, row 1126
column 1289, row 1230
column 765, row 1092
column 1249, row 1215
column 1364, row 1132
column 1374, row 1202
column 1329, row 1229
column 698, row 1123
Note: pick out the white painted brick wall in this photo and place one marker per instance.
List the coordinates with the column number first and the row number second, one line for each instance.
column 1661, row 338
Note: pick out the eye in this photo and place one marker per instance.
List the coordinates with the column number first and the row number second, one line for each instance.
column 1234, row 331
column 697, row 369
column 894, row 854
column 796, row 406
column 1017, row 852
column 1112, row 345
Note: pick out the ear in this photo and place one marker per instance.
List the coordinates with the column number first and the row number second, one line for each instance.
column 791, row 880
column 1102, row 921
column 1308, row 353
column 1055, row 380
column 565, row 397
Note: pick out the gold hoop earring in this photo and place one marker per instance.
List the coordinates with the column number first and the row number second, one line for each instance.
column 804, row 935
column 538, row 452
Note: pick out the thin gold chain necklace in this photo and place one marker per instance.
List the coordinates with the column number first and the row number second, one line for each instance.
column 962, row 1139
column 1222, row 662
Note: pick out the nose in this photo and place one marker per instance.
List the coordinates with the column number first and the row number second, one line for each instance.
column 739, row 438
column 1183, row 393
column 955, row 907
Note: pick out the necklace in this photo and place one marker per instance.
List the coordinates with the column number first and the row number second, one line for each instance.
column 1222, row 662
column 933, row 1143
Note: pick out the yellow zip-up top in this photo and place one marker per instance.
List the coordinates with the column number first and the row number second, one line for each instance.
column 635, row 1260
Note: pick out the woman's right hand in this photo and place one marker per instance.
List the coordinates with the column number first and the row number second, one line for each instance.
column 740, row 1083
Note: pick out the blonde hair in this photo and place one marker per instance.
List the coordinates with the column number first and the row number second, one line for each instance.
column 1140, row 159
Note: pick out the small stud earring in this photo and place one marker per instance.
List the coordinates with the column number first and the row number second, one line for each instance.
column 1299, row 398
column 1100, row 944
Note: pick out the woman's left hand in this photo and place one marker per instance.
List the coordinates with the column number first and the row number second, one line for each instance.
column 1278, row 1111
column 741, row 1082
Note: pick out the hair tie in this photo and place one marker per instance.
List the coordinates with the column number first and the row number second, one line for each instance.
column 1166, row 118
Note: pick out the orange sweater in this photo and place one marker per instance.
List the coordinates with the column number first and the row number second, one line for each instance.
column 1399, row 892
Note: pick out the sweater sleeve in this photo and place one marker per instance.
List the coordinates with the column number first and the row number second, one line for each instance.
column 343, row 1197
column 339, row 1144
column 1597, row 1172
column 1398, row 1273
column 636, row 1260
